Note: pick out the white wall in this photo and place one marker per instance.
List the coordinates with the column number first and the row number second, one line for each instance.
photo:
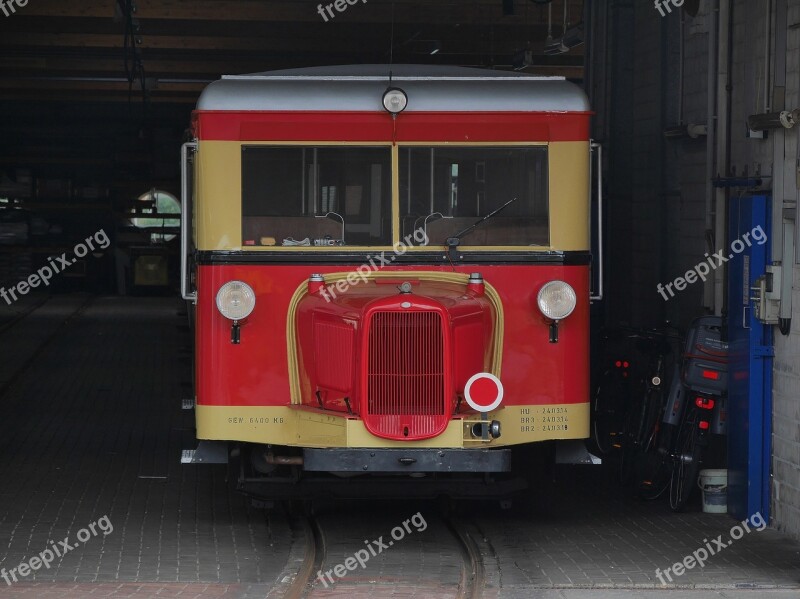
column 786, row 375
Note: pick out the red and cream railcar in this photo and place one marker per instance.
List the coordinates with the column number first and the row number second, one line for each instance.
column 391, row 275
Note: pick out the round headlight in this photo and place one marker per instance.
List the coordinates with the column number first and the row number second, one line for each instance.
column 556, row 300
column 395, row 100
column 236, row 300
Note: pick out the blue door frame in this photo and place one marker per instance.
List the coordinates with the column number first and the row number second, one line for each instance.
column 750, row 376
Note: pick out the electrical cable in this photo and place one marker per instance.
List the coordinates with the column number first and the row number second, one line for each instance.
column 132, row 59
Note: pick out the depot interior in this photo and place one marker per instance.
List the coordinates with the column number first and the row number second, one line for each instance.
column 696, row 108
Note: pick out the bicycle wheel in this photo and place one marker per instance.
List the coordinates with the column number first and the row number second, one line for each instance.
column 607, row 412
column 628, row 460
column 641, row 438
column 639, row 426
column 656, row 472
column 686, row 465
column 628, row 440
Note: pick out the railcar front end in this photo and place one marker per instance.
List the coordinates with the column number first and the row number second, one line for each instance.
column 391, row 278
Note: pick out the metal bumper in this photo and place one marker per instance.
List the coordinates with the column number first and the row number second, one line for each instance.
column 407, row 460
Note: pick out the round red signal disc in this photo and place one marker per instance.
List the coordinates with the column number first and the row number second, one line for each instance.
column 483, row 392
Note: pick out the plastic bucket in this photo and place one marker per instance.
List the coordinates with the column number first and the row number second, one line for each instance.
column 714, row 484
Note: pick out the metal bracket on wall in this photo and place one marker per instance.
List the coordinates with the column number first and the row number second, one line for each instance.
column 767, row 295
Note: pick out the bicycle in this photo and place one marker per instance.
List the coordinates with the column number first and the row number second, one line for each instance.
column 612, row 396
column 656, row 473
column 642, row 428
column 620, row 421
column 691, row 415
column 610, row 401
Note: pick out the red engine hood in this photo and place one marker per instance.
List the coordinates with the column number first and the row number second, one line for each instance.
column 397, row 360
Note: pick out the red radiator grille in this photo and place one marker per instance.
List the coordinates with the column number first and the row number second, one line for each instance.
column 405, row 395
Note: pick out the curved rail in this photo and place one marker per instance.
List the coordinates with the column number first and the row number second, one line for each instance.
column 300, row 578
column 312, row 559
column 473, row 574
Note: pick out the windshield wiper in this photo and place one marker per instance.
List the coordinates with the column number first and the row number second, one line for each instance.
column 453, row 242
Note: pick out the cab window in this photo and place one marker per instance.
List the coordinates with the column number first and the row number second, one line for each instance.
column 446, row 189
column 316, row 196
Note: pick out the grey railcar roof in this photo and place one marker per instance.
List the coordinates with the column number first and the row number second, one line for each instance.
column 361, row 88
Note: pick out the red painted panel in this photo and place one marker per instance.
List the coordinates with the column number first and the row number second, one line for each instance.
column 378, row 126
column 333, row 354
column 534, row 371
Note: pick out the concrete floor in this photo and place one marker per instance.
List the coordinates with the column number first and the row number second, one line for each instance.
column 91, row 427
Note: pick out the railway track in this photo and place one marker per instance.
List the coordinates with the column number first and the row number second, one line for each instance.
column 61, row 320
column 473, row 573
column 21, row 314
column 302, row 579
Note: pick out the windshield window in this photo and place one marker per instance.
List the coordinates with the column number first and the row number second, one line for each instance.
column 446, row 189
column 316, row 196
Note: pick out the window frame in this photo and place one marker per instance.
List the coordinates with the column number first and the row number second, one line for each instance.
column 395, row 194
column 481, row 144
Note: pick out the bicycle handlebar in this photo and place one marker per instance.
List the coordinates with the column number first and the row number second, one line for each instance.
column 639, row 333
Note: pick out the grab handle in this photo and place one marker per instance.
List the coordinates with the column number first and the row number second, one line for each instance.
column 599, row 155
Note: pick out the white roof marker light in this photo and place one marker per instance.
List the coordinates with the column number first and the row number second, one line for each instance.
column 395, row 100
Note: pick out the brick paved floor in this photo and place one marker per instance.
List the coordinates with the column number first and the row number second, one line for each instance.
column 134, row 590
column 23, row 335
column 592, row 534
column 423, row 564
column 653, row 594
column 16, row 309
column 94, row 428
